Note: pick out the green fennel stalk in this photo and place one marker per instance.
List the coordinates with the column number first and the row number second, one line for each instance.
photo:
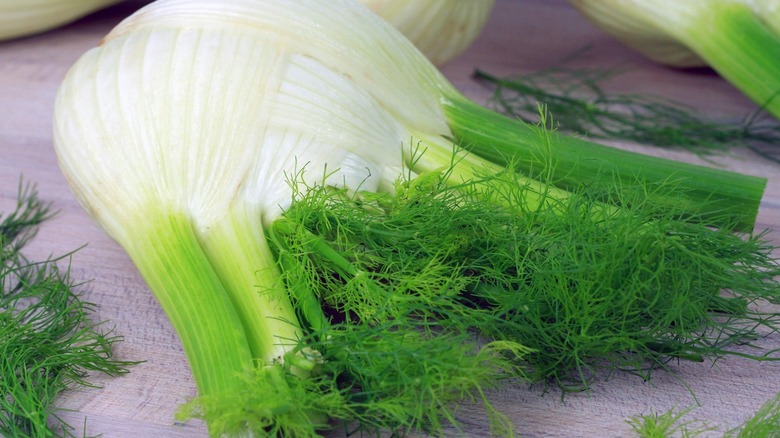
column 48, row 342
column 208, row 309
column 765, row 422
column 571, row 162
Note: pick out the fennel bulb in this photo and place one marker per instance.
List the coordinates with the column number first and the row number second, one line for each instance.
column 740, row 39
column 176, row 133
column 27, row 17
column 180, row 133
column 441, row 29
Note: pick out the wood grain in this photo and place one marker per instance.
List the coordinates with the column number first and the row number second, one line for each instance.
column 522, row 36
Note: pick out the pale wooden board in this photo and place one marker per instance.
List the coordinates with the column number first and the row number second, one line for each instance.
column 522, row 36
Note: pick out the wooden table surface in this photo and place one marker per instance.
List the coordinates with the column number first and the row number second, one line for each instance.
column 522, row 36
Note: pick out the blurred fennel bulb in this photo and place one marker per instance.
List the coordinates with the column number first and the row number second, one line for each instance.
column 740, row 39
column 441, row 29
column 20, row 18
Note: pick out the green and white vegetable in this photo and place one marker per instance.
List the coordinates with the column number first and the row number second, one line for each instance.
column 20, row 18
column 230, row 146
column 441, row 29
column 740, row 39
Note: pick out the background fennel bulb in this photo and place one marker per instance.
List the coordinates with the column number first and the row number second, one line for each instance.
column 441, row 29
column 27, row 17
column 740, row 39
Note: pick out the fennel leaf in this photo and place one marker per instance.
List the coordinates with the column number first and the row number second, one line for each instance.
column 435, row 293
column 668, row 424
column 583, row 292
column 442, row 291
column 576, row 98
column 48, row 344
column 765, row 422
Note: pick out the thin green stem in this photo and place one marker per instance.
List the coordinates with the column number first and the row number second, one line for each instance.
column 307, row 302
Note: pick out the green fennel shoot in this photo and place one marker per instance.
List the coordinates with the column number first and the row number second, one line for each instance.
column 668, row 424
column 764, row 423
column 48, row 344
